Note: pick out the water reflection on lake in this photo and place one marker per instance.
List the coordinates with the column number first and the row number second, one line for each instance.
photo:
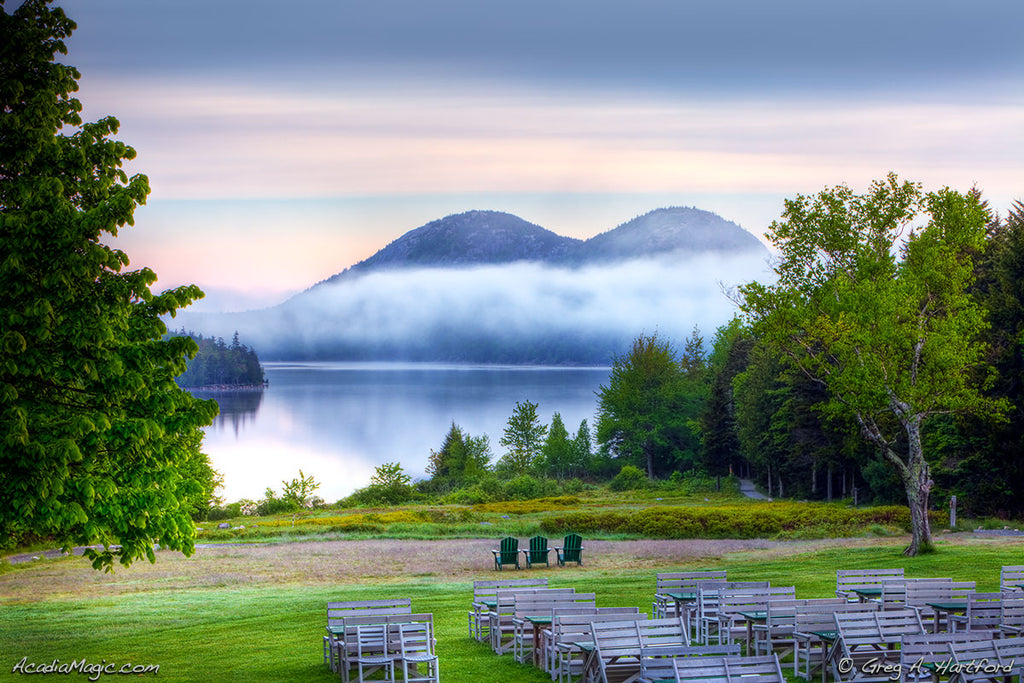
column 339, row 421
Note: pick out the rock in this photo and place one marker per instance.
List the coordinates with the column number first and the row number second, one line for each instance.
column 224, row 525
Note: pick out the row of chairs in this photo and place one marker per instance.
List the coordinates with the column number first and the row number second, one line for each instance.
column 380, row 638
column 776, row 622
column 507, row 552
column 568, row 636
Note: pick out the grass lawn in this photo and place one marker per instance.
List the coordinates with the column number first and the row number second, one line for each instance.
column 198, row 628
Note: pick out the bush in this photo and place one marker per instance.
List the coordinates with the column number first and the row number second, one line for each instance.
column 473, row 495
column 226, row 512
column 526, row 487
column 768, row 520
column 380, row 496
column 272, row 505
column 629, row 478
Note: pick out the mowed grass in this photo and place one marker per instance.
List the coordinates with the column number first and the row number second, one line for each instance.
column 274, row 632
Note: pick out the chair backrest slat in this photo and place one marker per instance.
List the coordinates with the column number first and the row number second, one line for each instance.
column 1011, row 578
column 849, row 580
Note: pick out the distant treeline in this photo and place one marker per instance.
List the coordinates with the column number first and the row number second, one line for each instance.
column 221, row 364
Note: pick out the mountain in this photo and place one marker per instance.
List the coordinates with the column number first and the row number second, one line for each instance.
column 491, row 237
column 465, row 239
column 489, row 287
column 676, row 229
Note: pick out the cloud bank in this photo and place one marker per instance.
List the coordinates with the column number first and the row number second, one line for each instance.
column 523, row 312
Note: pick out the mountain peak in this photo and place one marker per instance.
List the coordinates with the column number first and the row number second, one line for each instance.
column 474, row 237
column 672, row 229
column 481, row 237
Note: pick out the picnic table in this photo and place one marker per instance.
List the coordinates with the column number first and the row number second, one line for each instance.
column 868, row 593
column 538, row 623
column 948, row 609
column 684, row 601
column 751, row 618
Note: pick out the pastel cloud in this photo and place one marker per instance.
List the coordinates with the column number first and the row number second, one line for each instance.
column 213, row 140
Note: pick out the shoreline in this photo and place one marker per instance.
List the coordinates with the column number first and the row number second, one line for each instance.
column 227, row 388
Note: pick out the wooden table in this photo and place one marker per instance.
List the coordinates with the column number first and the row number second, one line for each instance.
column 868, row 594
column 947, row 608
column 759, row 617
column 538, row 623
column 685, row 601
column 828, row 650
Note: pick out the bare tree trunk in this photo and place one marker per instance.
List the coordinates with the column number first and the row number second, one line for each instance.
column 914, row 473
column 828, row 483
column 814, row 478
column 918, row 482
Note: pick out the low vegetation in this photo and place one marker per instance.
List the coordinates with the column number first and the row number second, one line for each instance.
column 658, row 513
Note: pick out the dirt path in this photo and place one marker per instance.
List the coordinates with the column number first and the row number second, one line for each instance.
column 748, row 489
column 383, row 561
column 334, row 562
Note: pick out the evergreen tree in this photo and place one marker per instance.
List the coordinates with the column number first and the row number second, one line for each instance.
column 558, row 453
column 524, row 438
column 720, row 446
column 582, row 451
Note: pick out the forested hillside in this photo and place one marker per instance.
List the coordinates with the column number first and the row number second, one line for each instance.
column 220, row 364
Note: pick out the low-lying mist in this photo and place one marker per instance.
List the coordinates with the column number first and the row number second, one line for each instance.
column 518, row 313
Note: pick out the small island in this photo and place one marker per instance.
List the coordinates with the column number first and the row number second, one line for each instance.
column 221, row 366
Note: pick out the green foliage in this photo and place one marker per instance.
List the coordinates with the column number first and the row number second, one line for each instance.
column 100, row 446
column 645, row 411
column 524, row 439
column 527, row 487
column 881, row 318
column 389, row 485
column 559, row 457
column 769, row 520
column 629, row 478
column 300, row 491
column 216, row 364
column 390, row 474
column 462, row 459
column 982, row 459
column 719, row 442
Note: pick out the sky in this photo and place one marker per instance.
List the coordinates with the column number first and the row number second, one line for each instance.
column 286, row 141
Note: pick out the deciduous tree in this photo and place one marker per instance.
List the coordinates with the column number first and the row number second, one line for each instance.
column 872, row 302
column 97, row 443
column 643, row 412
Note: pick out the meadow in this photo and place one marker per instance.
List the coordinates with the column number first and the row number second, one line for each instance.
column 255, row 612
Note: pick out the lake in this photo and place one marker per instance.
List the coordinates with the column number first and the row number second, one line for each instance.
column 338, row 421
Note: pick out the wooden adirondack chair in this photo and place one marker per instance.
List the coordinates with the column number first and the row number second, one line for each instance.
column 538, row 552
column 571, row 550
column 508, row 553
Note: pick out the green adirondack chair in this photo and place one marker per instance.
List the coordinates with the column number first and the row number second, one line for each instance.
column 571, row 550
column 538, row 552
column 508, row 553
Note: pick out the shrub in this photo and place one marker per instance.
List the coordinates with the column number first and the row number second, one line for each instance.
column 473, row 495
column 629, row 478
column 741, row 521
column 526, row 487
column 229, row 511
